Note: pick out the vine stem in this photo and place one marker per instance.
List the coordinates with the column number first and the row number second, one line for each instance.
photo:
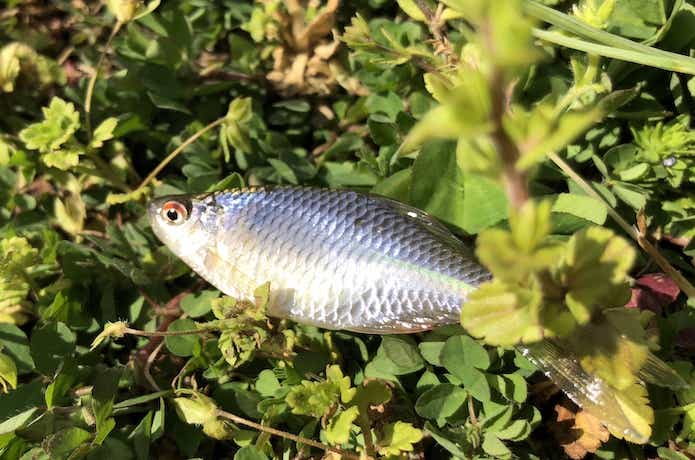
column 178, row 150
column 514, row 180
column 93, row 80
column 141, row 333
column 283, row 434
column 639, row 237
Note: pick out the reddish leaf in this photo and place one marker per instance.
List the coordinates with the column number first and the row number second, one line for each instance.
column 686, row 338
column 653, row 292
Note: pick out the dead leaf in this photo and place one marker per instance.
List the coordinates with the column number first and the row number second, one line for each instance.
column 319, row 27
column 578, row 432
column 304, row 62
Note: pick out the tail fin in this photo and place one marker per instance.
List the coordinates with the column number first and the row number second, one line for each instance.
column 614, row 408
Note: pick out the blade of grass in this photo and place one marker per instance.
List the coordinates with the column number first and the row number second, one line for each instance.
column 613, row 44
column 669, row 61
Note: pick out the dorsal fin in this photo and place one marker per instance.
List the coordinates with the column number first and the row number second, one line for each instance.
column 426, row 220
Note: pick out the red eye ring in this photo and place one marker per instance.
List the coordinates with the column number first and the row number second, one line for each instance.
column 174, row 212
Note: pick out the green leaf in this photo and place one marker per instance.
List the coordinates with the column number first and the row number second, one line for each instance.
column 668, row 454
column 444, row 441
column 461, row 352
column 412, row 9
column 166, row 102
column 250, row 453
column 18, row 421
column 142, row 437
column 484, row 203
column 103, row 132
column 512, row 387
column 399, row 437
column 198, row 409
column 545, row 133
column 61, row 120
column 16, row 345
column 312, row 398
column 284, row 170
column 582, row 206
column 382, row 131
column 70, row 213
column 198, row 304
column 371, row 393
column 440, row 401
column 128, row 10
column 437, row 183
column 240, row 110
column 594, row 271
column 512, row 256
column 431, row 351
column 182, row 345
column 103, row 395
column 402, row 353
column 503, row 314
column 464, row 114
column 18, row 406
column 8, row 372
column 338, row 429
column 267, row 383
column 494, row 447
column 65, row 441
column 50, row 345
column 63, row 159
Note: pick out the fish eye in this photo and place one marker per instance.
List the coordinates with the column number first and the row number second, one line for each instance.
column 174, row 212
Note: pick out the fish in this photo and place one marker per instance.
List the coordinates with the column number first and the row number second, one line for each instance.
column 346, row 260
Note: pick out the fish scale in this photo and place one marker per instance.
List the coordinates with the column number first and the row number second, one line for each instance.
column 342, row 259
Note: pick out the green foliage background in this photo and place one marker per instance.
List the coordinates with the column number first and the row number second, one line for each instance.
column 464, row 109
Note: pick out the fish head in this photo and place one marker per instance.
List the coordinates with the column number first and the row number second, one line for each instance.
column 186, row 225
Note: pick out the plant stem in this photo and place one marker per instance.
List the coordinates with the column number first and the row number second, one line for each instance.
column 93, row 79
column 178, row 150
column 640, row 238
column 471, row 411
column 141, row 333
column 283, row 434
column 514, row 180
column 366, row 428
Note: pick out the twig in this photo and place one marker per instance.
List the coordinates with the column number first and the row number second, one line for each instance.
column 640, row 238
column 283, row 434
column 172, row 305
column 93, row 79
column 148, row 366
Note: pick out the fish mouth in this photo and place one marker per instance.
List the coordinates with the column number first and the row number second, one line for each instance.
column 153, row 208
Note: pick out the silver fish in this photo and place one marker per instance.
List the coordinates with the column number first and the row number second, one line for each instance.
column 339, row 259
